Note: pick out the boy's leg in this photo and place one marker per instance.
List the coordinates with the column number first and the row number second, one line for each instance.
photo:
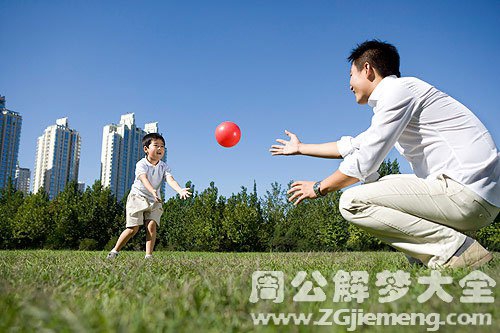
column 134, row 218
column 421, row 218
column 125, row 237
column 152, row 219
column 150, row 236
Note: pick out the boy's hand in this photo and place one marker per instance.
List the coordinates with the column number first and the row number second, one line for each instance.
column 290, row 147
column 157, row 199
column 185, row 193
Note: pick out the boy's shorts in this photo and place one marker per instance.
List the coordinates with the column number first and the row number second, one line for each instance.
column 138, row 209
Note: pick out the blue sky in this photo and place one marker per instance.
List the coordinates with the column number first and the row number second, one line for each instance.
column 266, row 65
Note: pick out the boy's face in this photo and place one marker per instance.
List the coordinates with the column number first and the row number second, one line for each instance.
column 155, row 150
column 360, row 83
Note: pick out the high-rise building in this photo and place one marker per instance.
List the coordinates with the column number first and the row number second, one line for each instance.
column 10, row 134
column 151, row 127
column 121, row 149
column 57, row 158
column 22, row 179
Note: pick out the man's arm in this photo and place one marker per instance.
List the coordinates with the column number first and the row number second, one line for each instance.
column 301, row 190
column 295, row 147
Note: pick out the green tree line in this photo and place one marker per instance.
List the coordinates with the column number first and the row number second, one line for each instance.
column 93, row 220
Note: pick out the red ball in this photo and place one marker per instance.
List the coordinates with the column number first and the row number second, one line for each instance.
column 227, row 134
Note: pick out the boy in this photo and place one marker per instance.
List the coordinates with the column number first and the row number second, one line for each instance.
column 456, row 163
column 144, row 205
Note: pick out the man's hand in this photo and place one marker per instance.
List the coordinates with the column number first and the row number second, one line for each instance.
column 290, row 147
column 301, row 190
column 184, row 193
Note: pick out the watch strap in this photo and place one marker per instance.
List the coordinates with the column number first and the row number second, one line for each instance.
column 316, row 188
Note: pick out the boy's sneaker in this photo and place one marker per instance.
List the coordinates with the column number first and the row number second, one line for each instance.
column 148, row 256
column 474, row 256
column 112, row 255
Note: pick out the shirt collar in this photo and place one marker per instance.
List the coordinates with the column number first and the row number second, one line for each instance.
column 151, row 164
column 375, row 95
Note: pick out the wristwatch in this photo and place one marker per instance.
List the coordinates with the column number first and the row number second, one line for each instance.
column 316, row 189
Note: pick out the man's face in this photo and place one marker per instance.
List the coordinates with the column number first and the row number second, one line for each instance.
column 360, row 84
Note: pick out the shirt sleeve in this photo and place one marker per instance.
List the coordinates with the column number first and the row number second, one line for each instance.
column 348, row 145
column 365, row 153
column 140, row 169
column 168, row 172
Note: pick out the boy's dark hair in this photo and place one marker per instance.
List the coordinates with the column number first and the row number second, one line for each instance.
column 382, row 56
column 146, row 140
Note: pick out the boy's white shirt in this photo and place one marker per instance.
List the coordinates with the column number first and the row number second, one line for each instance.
column 156, row 174
column 433, row 131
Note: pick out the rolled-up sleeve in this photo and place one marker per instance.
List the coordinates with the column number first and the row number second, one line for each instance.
column 347, row 145
column 365, row 153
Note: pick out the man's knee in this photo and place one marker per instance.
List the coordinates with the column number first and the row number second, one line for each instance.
column 351, row 202
column 346, row 203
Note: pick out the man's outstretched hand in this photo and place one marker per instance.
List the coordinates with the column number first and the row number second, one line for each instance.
column 301, row 190
column 290, row 147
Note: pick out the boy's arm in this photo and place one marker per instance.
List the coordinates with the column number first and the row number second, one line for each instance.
column 295, row 147
column 144, row 179
column 184, row 193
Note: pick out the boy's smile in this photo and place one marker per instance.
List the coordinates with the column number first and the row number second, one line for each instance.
column 155, row 151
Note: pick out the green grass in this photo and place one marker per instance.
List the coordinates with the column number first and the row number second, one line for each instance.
column 70, row 291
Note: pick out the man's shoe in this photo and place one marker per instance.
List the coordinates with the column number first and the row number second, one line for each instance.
column 474, row 256
column 112, row 255
column 414, row 261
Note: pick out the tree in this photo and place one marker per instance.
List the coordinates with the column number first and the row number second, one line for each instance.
column 489, row 236
column 388, row 168
column 65, row 209
column 332, row 230
column 32, row 223
column 241, row 222
column 314, row 225
column 274, row 215
column 395, row 167
column 10, row 201
column 194, row 224
column 100, row 215
column 174, row 234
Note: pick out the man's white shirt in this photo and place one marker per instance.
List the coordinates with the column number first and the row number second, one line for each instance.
column 434, row 132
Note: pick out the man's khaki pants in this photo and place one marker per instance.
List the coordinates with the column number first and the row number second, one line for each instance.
column 422, row 218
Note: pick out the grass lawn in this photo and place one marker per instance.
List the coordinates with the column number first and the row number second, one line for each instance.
column 74, row 291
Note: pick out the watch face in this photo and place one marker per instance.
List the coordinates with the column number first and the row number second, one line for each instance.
column 316, row 188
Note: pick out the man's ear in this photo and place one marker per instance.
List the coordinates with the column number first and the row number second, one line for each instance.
column 369, row 71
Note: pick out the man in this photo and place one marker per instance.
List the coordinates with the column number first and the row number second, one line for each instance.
column 456, row 163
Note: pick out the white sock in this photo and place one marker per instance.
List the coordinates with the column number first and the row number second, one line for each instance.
column 148, row 256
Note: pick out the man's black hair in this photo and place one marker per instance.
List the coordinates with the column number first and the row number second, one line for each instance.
column 383, row 57
column 146, row 140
